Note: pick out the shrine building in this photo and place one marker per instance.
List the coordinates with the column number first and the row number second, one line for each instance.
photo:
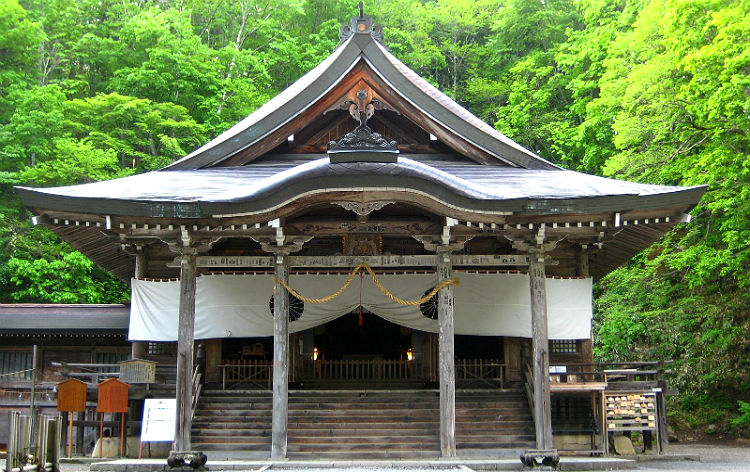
column 428, row 254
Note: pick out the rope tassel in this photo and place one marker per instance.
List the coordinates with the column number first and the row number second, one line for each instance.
column 366, row 268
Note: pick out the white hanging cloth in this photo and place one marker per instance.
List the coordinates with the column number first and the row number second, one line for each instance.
column 238, row 305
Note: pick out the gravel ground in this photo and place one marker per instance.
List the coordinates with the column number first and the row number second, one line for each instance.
column 714, row 458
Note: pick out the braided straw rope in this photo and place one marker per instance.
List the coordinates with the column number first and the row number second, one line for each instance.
column 368, row 269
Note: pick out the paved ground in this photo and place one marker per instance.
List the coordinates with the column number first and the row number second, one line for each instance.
column 714, row 458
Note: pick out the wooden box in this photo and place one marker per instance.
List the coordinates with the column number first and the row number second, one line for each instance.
column 71, row 395
column 113, row 396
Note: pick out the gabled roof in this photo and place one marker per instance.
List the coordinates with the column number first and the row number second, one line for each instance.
column 416, row 97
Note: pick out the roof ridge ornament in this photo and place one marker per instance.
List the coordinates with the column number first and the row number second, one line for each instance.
column 361, row 25
column 362, row 144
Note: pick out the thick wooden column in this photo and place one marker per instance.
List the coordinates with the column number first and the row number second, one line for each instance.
column 280, row 361
column 139, row 349
column 447, row 370
column 185, row 341
column 582, row 269
column 540, row 352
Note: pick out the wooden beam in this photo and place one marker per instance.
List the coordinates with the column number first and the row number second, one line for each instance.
column 447, row 369
column 280, row 413
column 456, row 260
column 540, row 352
column 185, row 340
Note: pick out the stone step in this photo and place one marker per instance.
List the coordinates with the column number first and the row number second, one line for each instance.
column 360, row 424
column 359, row 454
column 372, row 425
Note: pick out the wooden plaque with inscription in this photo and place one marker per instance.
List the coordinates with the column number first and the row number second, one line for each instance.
column 113, row 396
column 71, row 395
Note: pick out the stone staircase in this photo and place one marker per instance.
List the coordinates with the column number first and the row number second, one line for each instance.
column 353, row 424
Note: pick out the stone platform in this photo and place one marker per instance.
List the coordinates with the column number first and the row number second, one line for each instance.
column 465, row 465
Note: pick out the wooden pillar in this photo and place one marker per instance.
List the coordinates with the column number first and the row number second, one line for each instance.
column 139, row 349
column 447, row 370
column 540, row 352
column 185, row 341
column 582, row 269
column 280, row 361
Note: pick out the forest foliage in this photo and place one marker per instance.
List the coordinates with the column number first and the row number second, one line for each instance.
column 656, row 91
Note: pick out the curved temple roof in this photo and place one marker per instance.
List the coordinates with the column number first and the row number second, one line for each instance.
column 260, row 188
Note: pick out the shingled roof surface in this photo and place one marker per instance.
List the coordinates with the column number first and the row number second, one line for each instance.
column 259, row 188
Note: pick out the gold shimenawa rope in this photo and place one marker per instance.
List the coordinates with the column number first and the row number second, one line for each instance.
column 368, row 269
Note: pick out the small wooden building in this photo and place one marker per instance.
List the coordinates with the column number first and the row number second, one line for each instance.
column 361, row 161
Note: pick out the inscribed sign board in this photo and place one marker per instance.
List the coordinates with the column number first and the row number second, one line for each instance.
column 138, row 371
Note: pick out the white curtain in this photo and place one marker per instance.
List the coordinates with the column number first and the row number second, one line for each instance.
column 238, row 305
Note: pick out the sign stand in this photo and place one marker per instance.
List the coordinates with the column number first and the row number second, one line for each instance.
column 158, row 423
column 113, row 398
column 71, row 397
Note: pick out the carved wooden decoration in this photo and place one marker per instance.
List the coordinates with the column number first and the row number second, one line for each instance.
column 363, row 209
column 361, row 101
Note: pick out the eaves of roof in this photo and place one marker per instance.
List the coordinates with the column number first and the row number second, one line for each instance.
column 223, row 191
column 48, row 318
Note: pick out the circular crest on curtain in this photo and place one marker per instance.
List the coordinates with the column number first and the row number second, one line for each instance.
column 429, row 308
column 296, row 307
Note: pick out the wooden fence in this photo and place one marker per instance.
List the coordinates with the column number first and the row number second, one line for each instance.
column 259, row 373
column 370, row 369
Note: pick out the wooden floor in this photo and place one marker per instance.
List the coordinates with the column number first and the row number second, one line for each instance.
column 362, row 424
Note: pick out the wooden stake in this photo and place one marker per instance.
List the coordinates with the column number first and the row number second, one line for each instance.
column 101, row 434
column 122, row 434
column 70, row 433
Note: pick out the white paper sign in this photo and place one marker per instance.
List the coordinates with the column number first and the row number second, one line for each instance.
column 158, row 419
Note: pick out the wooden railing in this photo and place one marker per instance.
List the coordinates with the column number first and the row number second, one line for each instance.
column 486, row 371
column 253, row 372
column 197, row 388
column 259, row 373
column 626, row 374
column 370, row 369
column 528, row 385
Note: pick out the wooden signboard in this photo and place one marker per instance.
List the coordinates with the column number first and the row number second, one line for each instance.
column 71, row 395
column 113, row 396
column 138, row 371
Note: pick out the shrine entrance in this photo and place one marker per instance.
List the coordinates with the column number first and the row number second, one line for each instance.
column 364, row 336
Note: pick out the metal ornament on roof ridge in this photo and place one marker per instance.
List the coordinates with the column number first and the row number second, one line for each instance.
column 362, row 139
column 361, row 25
